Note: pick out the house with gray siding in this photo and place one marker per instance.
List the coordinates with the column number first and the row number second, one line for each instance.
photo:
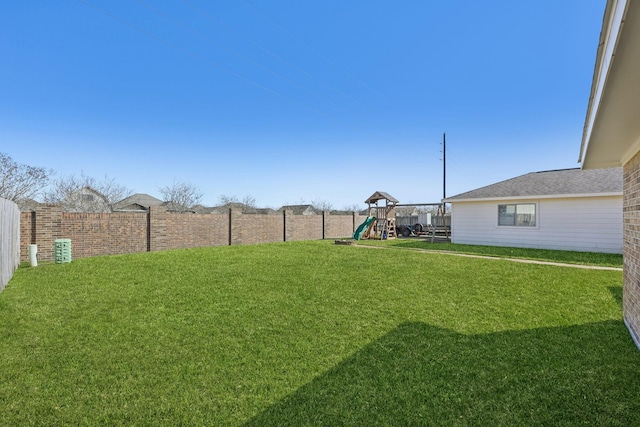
column 569, row 209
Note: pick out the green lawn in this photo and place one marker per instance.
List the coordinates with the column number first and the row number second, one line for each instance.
column 312, row 333
column 570, row 257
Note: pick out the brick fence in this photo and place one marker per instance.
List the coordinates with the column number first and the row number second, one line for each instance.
column 94, row 234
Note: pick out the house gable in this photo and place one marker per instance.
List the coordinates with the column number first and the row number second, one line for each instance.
column 86, row 199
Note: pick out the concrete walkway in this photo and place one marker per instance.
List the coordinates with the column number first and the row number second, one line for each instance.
column 520, row 260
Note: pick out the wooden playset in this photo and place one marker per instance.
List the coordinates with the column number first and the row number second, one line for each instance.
column 381, row 220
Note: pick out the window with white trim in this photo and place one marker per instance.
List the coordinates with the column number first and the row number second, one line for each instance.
column 517, row 215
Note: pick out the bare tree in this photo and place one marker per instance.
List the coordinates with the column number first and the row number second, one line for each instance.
column 86, row 194
column 247, row 204
column 181, row 196
column 18, row 181
column 225, row 199
column 353, row 208
column 322, row 205
column 249, row 201
column 113, row 191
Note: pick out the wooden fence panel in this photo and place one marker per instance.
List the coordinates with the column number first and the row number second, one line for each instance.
column 9, row 240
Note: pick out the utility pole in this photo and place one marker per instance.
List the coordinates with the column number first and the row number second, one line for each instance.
column 444, row 165
column 444, row 182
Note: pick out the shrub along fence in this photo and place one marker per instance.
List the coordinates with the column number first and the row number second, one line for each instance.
column 9, row 240
column 95, row 234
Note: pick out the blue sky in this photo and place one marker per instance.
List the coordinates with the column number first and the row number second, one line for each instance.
column 296, row 101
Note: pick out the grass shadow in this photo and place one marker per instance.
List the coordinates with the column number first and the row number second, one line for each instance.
column 616, row 293
column 419, row 374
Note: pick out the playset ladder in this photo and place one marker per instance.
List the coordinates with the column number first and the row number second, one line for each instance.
column 386, row 227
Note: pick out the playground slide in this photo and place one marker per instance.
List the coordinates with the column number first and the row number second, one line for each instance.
column 362, row 228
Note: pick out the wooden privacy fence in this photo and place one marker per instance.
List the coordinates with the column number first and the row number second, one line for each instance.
column 94, row 234
column 9, row 240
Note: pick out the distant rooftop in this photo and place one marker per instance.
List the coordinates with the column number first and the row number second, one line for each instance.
column 301, row 209
column 144, row 200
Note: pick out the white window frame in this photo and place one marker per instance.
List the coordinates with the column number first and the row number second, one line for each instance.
column 515, row 214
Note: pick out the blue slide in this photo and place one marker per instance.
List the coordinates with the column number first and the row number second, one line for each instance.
column 362, row 228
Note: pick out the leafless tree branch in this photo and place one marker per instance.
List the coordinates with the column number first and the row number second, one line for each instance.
column 18, row 181
column 181, row 196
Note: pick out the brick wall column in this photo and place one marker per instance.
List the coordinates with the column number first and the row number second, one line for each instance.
column 631, row 247
column 27, row 233
column 287, row 217
column 325, row 224
column 157, row 228
column 354, row 215
column 229, row 228
column 48, row 228
column 235, row 228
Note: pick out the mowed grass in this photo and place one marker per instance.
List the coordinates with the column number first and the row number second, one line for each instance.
column 570, row 257
column 311, row 333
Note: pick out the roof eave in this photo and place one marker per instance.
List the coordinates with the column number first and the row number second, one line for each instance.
column 611, row 133
column 535, row 197
column 606, row 46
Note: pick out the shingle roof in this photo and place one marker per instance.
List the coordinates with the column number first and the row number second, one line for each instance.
column 203, row 209
column 300, row 209
column 550, row 183
column 381, row 195
column 140, row 199
column 247, row 209
column 27, row 204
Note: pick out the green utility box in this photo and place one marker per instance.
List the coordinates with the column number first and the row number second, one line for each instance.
column 62, row 250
